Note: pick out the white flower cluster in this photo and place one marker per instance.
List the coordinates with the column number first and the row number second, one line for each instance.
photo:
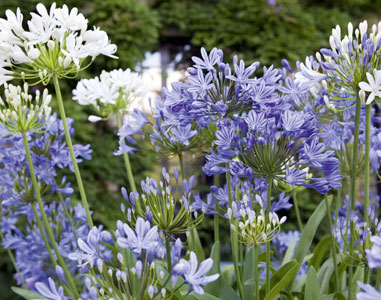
column 352, row 57
column 56, row 42
column 110, row 92
column 20, row 112
column 252, row 226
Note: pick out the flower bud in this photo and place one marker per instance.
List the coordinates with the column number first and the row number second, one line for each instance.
column 33, row 53
column 61, row 274
column 362, row 96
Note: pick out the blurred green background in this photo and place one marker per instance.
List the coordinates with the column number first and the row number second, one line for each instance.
column 256, row 30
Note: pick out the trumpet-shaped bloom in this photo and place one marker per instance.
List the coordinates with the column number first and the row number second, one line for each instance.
column 194, row 276
column 373, row 86
column 50, row 292
column 143, row 238
column 373, row 254
column 368, row 292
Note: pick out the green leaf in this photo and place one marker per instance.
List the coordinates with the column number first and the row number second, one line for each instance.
column 195, row 244
column 312, row 290
column 227, row 292
column 26, row 294
column 280, row 279
column 248, row 273
column 227, row 273
column 213, row 288
column 335, row 296
column 309, row 232
column 319, row 251
column 290, row 251
column 194, row 296
column 325, row 274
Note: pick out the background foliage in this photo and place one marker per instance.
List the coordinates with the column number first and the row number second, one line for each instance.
column 261, row 30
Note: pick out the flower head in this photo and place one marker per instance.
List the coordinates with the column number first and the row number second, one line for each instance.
column 56, row 43
column 111, row 92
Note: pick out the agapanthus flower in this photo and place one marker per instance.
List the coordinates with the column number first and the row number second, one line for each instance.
column 193, row 274
column 373, row 86
column 111, row 92
column 373, row 254
column 55, row 43
column 171, row 213
column 348, row 61
column 133, row 124
column 252, row 225
column 280, row 144
column 143, row 238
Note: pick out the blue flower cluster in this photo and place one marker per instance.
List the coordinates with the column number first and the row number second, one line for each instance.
column 18, row 221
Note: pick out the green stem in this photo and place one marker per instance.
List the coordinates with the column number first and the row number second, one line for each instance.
column 216, row 216
column 71, row 150
column 216, row 222
column 333, row 244
column 338, row 203
column 43, row 235
column 256, row 272
column 130, row 175
column 378, row 278
column 68, row 215
column 268, row 249
column 352, row 189
column 367, row 178
column 168, row 250
column 45, row 217
column 13, row 261
column 367, row 162
column 181, row 161
column 234, row 241
column 297, row 211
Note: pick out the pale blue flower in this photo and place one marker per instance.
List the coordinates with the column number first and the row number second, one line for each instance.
column 193, row 276
column 50, row 292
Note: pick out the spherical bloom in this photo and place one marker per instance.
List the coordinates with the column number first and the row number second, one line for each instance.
column 55, row 43
column 21, row 112
column 111, row 92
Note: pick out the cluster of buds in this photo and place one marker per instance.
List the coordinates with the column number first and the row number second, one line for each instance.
column 252, row 226
column 255, row 231
column 126, row 275
column 21, row 112
column 172, row 214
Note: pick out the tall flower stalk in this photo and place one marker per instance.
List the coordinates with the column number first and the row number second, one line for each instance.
column 71, row 150
column 126, row 158
column 352, row 189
